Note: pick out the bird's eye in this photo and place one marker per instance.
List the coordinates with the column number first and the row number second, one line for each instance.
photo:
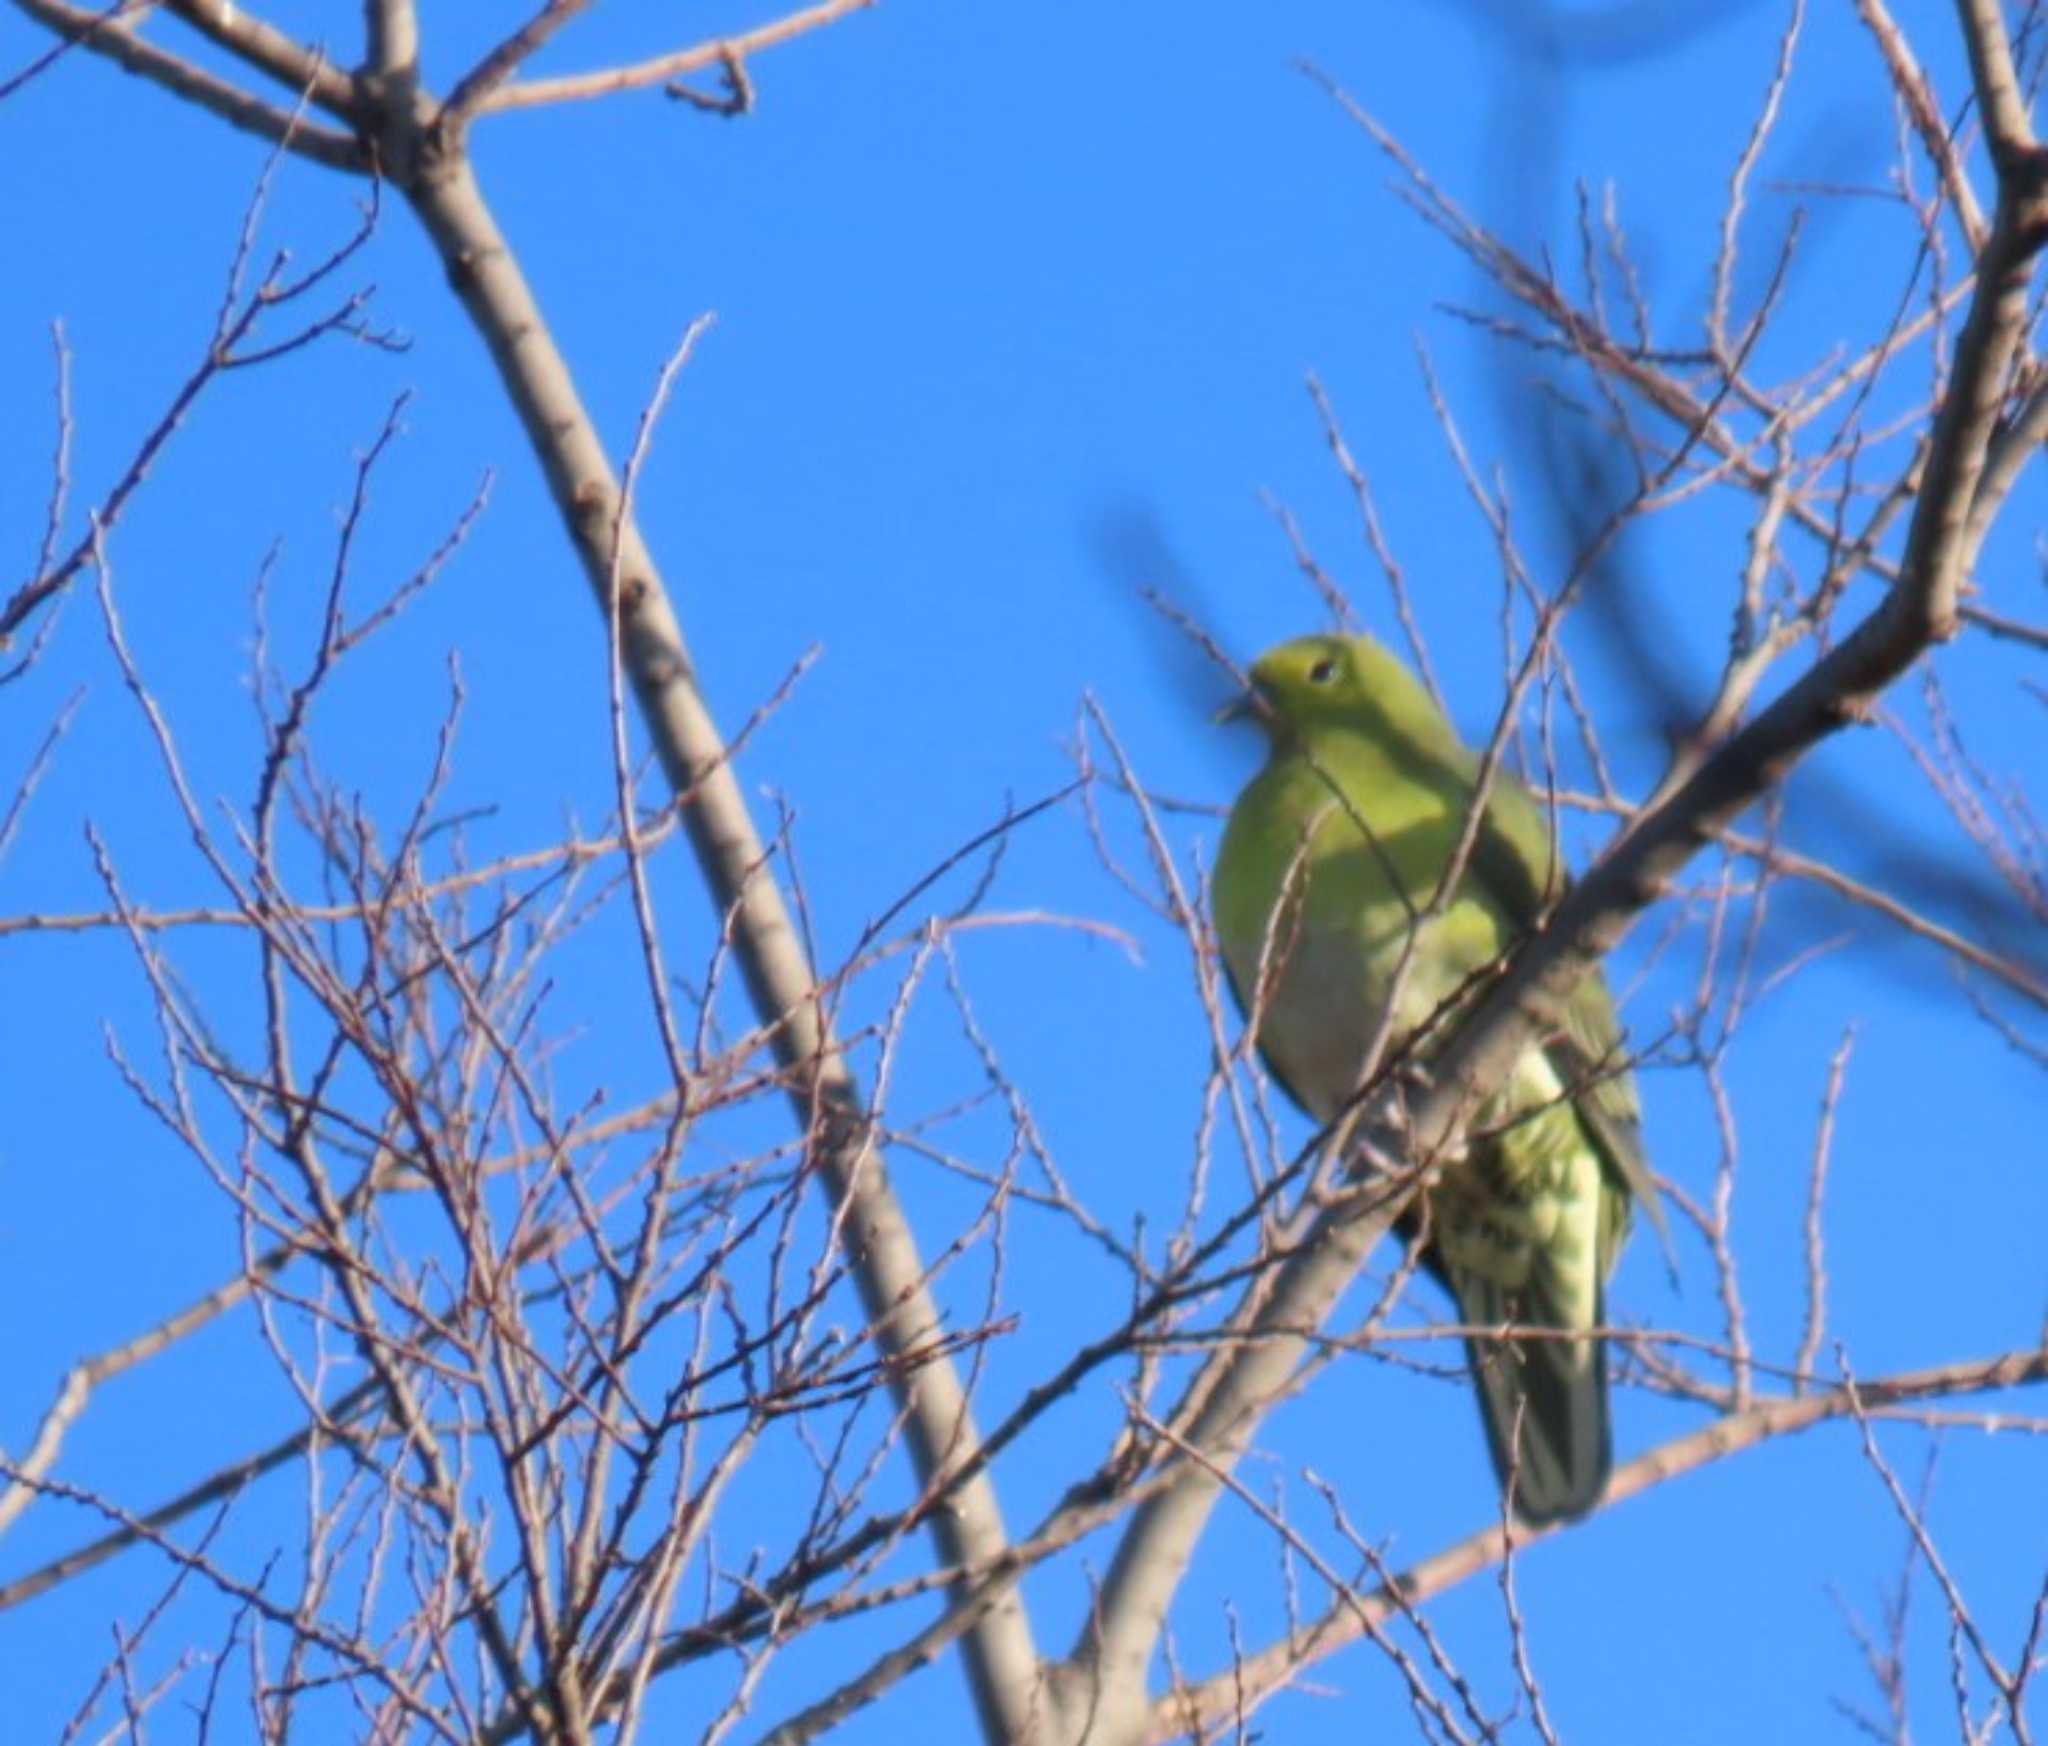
column 1323, row 671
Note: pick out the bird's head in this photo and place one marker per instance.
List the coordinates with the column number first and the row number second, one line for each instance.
column 1329, row 681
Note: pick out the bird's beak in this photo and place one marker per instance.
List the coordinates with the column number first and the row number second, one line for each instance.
column 1247, row 705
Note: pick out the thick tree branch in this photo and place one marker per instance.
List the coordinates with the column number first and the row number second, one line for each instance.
column 392, row 30
column 491, row 72
column 723, row 50
column 114, row 38
column 302, row 69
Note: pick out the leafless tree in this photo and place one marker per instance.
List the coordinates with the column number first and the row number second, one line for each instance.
column 557, row 1360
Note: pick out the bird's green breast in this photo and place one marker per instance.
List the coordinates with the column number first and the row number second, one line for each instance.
column 1329, row 858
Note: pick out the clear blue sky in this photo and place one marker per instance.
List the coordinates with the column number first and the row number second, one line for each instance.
column 978, row 274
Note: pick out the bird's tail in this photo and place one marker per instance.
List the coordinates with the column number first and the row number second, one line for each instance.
column 1544, row 1399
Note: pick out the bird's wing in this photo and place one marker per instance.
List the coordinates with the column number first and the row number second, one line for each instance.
column 1589, row 1058
column 1515, row 862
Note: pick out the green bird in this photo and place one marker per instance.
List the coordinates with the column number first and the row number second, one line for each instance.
column 1331, row 856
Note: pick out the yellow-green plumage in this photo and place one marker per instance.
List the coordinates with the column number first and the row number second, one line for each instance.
column 1330, row 856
